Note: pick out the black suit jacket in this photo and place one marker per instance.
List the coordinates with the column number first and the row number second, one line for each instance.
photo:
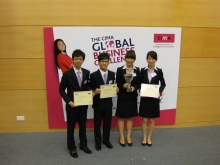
column 69, row 81
column 155, row 80
column 120, row 80
column 95, row 81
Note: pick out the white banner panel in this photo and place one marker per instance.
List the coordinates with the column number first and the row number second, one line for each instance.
column 117, row 40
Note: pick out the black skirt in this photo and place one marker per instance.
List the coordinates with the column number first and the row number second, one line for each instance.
column 149, row 107
column 126, row 107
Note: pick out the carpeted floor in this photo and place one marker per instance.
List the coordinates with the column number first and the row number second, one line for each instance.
column 184, row 146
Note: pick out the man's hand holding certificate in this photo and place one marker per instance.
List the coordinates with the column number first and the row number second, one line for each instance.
column 107, row 91
column 149, row 90
column 83, row 98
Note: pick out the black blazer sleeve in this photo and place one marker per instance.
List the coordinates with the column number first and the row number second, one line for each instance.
column 63, row 86
column 92, row 82
column 162, row 81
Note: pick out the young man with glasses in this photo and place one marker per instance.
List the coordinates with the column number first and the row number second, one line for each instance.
column 102, row 107
column 75, row 79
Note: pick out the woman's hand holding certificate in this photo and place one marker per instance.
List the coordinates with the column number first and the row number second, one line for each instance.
column 149, row 90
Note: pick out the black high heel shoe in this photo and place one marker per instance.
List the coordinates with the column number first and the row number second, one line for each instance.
column 129, row 144
column 149, row 145
column 123, row 145
column 143, row 144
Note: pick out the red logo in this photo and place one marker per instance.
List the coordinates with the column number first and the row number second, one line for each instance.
column 167, row 38
column 110, row 44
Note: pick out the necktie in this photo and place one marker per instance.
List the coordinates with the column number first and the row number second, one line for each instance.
column 105, row 78
column 79, row 78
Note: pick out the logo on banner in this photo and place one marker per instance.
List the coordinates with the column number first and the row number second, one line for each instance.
column 164, row 40
column 116, row 48
column 168, row 38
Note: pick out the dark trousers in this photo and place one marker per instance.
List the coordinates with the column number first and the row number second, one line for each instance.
column 72, row 118
column 105, row 115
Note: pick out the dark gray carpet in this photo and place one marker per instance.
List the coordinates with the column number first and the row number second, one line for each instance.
column 184, row 146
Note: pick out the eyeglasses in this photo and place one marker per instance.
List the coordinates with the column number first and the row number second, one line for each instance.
column 104, row 61
column 79, row 59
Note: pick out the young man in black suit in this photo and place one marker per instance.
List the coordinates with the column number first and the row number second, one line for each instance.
column 102, row 107
column 75, row 79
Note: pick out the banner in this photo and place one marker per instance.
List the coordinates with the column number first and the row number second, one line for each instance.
column 115, row 41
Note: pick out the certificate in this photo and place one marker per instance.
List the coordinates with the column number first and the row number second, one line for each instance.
column 82, row 98
column 108, row 91
column 149, row 90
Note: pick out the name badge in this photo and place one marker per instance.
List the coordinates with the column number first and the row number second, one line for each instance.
column 110, row 82
column 153, row 74
column 85, row 81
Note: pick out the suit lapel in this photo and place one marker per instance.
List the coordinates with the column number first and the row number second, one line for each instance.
column 100, row 78
column 75, row 78
column 134, row 72
column 157, row 72
column 146, row 76
column 123, row 72
column 83, row 77
column 109, row 78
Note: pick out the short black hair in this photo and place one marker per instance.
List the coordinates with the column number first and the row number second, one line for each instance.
column 103, row 56
column 78, row 53
column 130, row 54
column 153, row 54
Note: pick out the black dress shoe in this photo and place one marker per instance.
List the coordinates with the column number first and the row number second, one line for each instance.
column 108, row 144
column 123, row 145
column 73, row 153
column 86, row 150
column 98, row 147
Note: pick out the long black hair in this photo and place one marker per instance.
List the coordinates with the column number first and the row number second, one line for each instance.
column 57, row 51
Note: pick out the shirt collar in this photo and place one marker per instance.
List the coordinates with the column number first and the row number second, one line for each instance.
column 155, row 68
column 75, row 70
column 125, row 67
column 102, row 72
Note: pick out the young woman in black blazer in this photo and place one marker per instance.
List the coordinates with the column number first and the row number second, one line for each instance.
column 150, row 107
column 127, row 101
